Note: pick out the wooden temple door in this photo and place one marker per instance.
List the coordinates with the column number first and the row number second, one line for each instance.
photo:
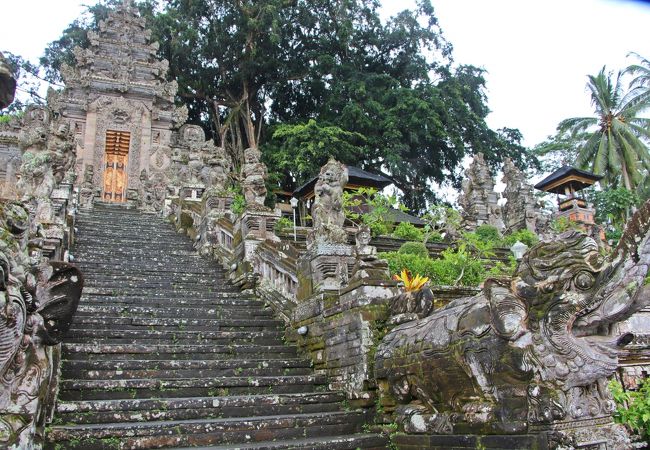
column 117, row 154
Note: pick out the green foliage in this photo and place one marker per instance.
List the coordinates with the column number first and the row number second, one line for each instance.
column 408, row 231
column 283, row 225
column 441, row 219
column 414, row 248
column 369, row 207
column 633, row 407
column 299, row 151
column 238, row 204
column 524, row 236
column 488, row 233
column 562, row 224
column 614, row 205
column 464, row 265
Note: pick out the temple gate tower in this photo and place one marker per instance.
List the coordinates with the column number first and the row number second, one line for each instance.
column 121, row 108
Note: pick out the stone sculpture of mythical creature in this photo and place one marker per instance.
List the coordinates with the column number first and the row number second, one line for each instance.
column 327, row 212
column 527, row 353
column 37, row 301
column 254, row 176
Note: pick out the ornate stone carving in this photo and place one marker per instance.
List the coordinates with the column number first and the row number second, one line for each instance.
column 7, row 84
column 368, row 266
column 478, row 199
column 530, row 354
column 87, row 190
column 520, row 211
column 327, row 212
column 48, row 156
column 254, row 179
column 37, row 302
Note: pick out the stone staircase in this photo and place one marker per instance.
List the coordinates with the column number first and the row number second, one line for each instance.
column 164, row 353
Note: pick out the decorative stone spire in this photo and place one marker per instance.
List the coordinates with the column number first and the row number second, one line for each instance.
column 519, row 211
column 478, row 199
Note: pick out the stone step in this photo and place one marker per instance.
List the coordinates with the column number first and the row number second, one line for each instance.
column 107, row 389
column 88, row 351
column 107, row 334
column 157, row 409
column 129, row 435
column 186, row 311
column 186, row 364
column 348, row 442
column 175, row 323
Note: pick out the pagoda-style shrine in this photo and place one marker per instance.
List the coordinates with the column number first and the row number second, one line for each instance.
column 121, row 107
column 566, row 182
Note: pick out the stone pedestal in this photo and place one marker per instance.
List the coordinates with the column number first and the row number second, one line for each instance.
column 325, row 267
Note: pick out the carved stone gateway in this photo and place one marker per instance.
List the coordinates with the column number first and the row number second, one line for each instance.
column 528, row 357
column 121, row 109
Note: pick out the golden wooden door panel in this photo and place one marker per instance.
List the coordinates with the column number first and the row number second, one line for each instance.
column 117, row 154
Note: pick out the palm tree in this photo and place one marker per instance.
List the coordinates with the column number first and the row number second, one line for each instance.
column 641, row 72
column 611, row 143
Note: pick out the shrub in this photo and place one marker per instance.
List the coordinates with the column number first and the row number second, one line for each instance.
column 633, row 407
column 408, row 231
column 488, row 233
column 525, row 236
column 414, row 248
column 238, row 204
column 283, row 225
column 413, row 263
column 434, row 236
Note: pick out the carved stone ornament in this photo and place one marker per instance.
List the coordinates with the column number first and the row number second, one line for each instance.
column 529, row 354
column 368, row 266
column 254, row 179
column 37, row 302
column 327, row 211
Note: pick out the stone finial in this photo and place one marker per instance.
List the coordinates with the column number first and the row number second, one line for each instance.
column 7, row 83
column 519, row 212
column 478, row 199
column 254, row 176
column 327, row 212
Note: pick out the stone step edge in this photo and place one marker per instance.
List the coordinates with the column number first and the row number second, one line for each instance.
column 146, row 403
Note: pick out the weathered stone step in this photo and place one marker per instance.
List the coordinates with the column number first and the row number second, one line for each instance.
column 169, row 351
column 170, row 269
column 206, row 431
column 349, row 442
column 134, row 307
column 187, row 364
column 206, row 311
column 227, row 295
column 188, row 387
column 157, row 409
column 109, row 335
column 175, row 323
column 166, row 374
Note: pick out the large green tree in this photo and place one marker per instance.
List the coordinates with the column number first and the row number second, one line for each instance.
column 611, row 143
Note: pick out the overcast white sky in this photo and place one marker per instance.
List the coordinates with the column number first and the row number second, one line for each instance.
column 537, row 53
